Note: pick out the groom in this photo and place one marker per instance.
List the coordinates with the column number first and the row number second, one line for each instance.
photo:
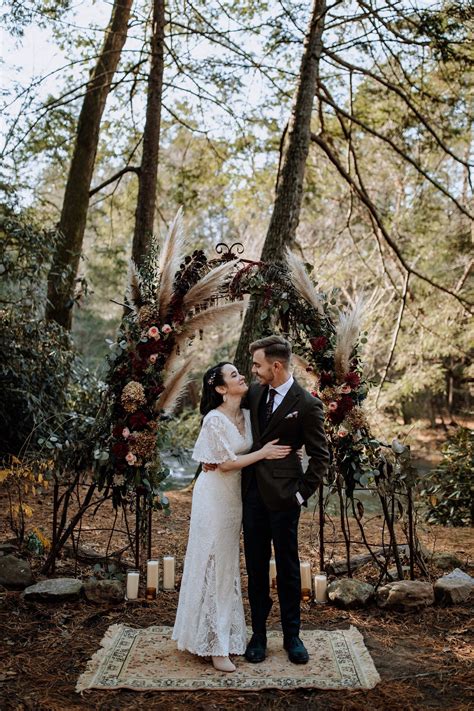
column 274, row 490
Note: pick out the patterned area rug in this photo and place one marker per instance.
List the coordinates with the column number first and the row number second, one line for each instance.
column 147, row 659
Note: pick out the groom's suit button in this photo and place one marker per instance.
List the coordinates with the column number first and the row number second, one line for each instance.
column 257, row 648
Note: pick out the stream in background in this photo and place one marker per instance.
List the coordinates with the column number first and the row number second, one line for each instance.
column 183, row 468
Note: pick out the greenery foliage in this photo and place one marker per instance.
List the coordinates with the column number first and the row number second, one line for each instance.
column 449, row 490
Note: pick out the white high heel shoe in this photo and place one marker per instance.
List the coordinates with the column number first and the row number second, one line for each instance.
column 223, row 664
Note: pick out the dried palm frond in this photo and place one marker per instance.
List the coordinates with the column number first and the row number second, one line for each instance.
column 170, row 258
column 303, row 283
column 208, row 286
column 208, row 319
column 171, row 361
column 301, row 362
column 347, row 332
column 174, row 387
column 133, row 294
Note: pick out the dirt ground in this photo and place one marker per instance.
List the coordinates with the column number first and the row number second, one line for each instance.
column 424, row 658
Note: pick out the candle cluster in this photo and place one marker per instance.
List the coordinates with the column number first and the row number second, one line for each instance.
column 152, row 578
column 311, row 588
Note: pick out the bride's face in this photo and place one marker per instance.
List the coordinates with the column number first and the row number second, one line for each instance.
column 234, row 382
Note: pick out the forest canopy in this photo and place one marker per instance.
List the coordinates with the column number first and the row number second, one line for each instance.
column 386, row 203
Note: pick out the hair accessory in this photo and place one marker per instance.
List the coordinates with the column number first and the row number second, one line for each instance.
column 211, row 378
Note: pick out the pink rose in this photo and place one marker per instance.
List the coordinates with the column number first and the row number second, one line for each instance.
column 332, row 407
column 345, row 389
column 153, row 358
column 342, row 432
column 166, row 328
column 153, row 332
column 126, row 432
column 131, row 458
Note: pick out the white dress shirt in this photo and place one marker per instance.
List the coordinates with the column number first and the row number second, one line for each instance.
column 280, row 392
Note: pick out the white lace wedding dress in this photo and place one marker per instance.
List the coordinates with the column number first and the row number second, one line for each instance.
column 210, row 618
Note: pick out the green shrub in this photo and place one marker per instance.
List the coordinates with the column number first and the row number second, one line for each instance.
column 450, row 488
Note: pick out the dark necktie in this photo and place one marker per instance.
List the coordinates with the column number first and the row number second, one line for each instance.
column 269, row 405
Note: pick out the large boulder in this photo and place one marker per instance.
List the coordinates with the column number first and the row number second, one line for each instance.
column 349, row 593
column 15, row 572
column 55, row 589
column 104, row 592
column 405, row 594
column 456, row 587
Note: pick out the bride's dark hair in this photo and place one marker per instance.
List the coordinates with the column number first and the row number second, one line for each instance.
column 210, row 398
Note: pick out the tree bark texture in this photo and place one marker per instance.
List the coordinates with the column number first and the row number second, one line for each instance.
column 148, row 176
column 72, row 223
column 289, row 189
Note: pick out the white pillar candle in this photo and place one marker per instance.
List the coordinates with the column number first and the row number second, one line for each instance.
column 273, row 573
column 320, row 587
column 152, row 568
column 305, row 570
column 133, row 578
column 168, row 572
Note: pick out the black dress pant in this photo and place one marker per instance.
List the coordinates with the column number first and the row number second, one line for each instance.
column 261, row 526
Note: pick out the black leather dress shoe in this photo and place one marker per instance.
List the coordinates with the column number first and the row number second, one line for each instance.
column 297, row 652
column 257, row 648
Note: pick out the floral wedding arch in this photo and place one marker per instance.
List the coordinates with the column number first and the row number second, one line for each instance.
column 171, row 300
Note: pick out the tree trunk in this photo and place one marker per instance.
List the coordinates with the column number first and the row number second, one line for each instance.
column 289, row 189
column 148, row 176
column 72, row 224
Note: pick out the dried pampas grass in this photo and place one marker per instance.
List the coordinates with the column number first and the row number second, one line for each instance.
column 303, row 283
column 347, row 333
column 208, row 319
column 133, row 293
column 208, row 286
column 174, row 387
column 170, row 258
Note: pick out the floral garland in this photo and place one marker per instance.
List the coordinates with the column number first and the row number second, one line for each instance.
column 135, row 426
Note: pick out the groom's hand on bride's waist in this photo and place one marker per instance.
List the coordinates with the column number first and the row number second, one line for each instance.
column 208, row 466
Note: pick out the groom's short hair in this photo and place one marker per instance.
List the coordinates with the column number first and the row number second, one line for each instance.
column 274, row 347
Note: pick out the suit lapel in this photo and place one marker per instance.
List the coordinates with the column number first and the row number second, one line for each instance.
column 286, row 406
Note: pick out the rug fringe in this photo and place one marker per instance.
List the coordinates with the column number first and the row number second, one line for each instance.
column 86, row 680
column 367, row 667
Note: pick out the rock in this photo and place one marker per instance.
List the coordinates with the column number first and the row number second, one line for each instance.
column 54, row 589
column 456, row 587
column 110, row 592
column 405, row 594
column 446, row 561
column 15, row 572
column 8, row 548
column 349, row 593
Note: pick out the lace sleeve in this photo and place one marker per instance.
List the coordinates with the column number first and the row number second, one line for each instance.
column 213, row 443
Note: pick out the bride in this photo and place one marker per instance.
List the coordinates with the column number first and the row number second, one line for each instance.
column 210, row 618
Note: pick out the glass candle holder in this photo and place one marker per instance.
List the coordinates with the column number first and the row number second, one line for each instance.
column 306, row 587
column 152, row 573
column 273, row 574
column 133, row 581
column 320, row 588
column 168, row 572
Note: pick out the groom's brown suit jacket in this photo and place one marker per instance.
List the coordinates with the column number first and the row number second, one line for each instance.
column 297, row 421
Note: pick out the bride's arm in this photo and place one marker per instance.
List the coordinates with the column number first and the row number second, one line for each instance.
column 271, row 450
